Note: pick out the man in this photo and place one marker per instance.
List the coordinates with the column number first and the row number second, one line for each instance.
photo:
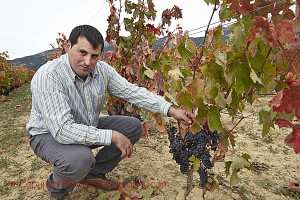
column 67, row 96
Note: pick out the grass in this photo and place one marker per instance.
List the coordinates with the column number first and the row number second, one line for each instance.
column 287, row 193
column 16, row 105
column 272, row 150
column 4, row 163
column 253, row 136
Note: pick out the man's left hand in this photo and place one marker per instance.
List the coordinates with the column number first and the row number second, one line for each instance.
column 182, row 116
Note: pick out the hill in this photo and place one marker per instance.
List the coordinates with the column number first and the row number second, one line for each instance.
column 35, row 61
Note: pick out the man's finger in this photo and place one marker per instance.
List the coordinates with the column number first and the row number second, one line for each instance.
column 123, row 154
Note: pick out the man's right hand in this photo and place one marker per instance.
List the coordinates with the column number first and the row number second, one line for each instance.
column 123, row 143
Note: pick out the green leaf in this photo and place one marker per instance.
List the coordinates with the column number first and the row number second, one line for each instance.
column 246, row 156
column 155, row 64
column 214, row 122
column 172, row 98
column 186, row 49
column 232, row 140
column 205, row 70
column 257, row 62
column 195, row 127
column 227, row 167
column 185, row 99
column 103, row 196
column 240, row 163
column 165, row 58
column 202, row 114
column 220, row 100
column 234, row 180
column 196, row 162
column 149, row 73
column 221, row 58
column 239, row 86
column 191, row 47
column 265, row 130
column 247, row 22
column 146, row 193
column 218, row 33
column 214, row 91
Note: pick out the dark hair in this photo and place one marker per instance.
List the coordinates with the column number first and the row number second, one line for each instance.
column 90, row 33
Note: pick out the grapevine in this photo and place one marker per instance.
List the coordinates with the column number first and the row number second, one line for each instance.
column 11, row 76
column 260, row 57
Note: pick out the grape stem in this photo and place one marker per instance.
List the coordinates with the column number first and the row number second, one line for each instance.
column 189, row 184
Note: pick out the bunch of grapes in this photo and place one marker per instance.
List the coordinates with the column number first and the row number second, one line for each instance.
column 193, row 144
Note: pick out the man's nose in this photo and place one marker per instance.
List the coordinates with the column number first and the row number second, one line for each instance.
column 87, row 60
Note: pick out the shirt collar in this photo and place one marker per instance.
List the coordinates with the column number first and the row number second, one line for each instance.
column 68, row 72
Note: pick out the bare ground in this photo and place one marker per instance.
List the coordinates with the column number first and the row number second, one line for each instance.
column 23, row 174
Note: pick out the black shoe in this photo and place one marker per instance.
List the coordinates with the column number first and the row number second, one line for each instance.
column 102, row 182
column 66, row 197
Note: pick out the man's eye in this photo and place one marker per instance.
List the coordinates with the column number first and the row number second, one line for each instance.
column 82, row 52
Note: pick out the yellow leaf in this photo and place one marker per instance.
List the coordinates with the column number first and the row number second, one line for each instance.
column 175, row 73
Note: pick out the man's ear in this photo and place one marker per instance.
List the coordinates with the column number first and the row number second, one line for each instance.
column 68, row 46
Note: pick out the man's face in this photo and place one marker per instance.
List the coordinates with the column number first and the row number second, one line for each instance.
column 83, row 57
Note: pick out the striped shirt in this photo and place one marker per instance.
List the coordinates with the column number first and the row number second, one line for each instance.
column 69, row 108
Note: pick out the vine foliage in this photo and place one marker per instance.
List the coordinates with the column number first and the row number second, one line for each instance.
column 261, row 57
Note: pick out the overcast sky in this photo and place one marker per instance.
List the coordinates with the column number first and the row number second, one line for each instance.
column 29, row 26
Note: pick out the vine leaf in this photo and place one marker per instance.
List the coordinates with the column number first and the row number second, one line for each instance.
column 175, row 73
column 293, row 139
column 196, row 162
column 214, row 122
column 254, row 77
column 149, row 73
column 288, row 98
column 234, row 178
column 146, row 127
column 145, row 193
column 285, row 31
column 240, row 163
column 220, row 154
column 185, row 99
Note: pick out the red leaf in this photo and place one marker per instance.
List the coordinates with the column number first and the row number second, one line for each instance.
column 295, row 96
column 261, row 22
column 250, row 37
column 293, row 139
column 282, row 102
column 146, row 127
column 283, row 123
column 285, row 31
column 234, row 6
column 246, row 7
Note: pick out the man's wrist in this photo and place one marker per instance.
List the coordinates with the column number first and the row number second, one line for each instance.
column 171, row 111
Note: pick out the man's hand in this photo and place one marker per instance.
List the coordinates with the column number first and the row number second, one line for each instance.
column 182, row 116
column 123, row 143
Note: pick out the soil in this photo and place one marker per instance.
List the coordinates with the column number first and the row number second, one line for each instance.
column 275, row 167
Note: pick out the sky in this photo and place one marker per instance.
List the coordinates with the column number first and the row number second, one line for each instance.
column 29, row 26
